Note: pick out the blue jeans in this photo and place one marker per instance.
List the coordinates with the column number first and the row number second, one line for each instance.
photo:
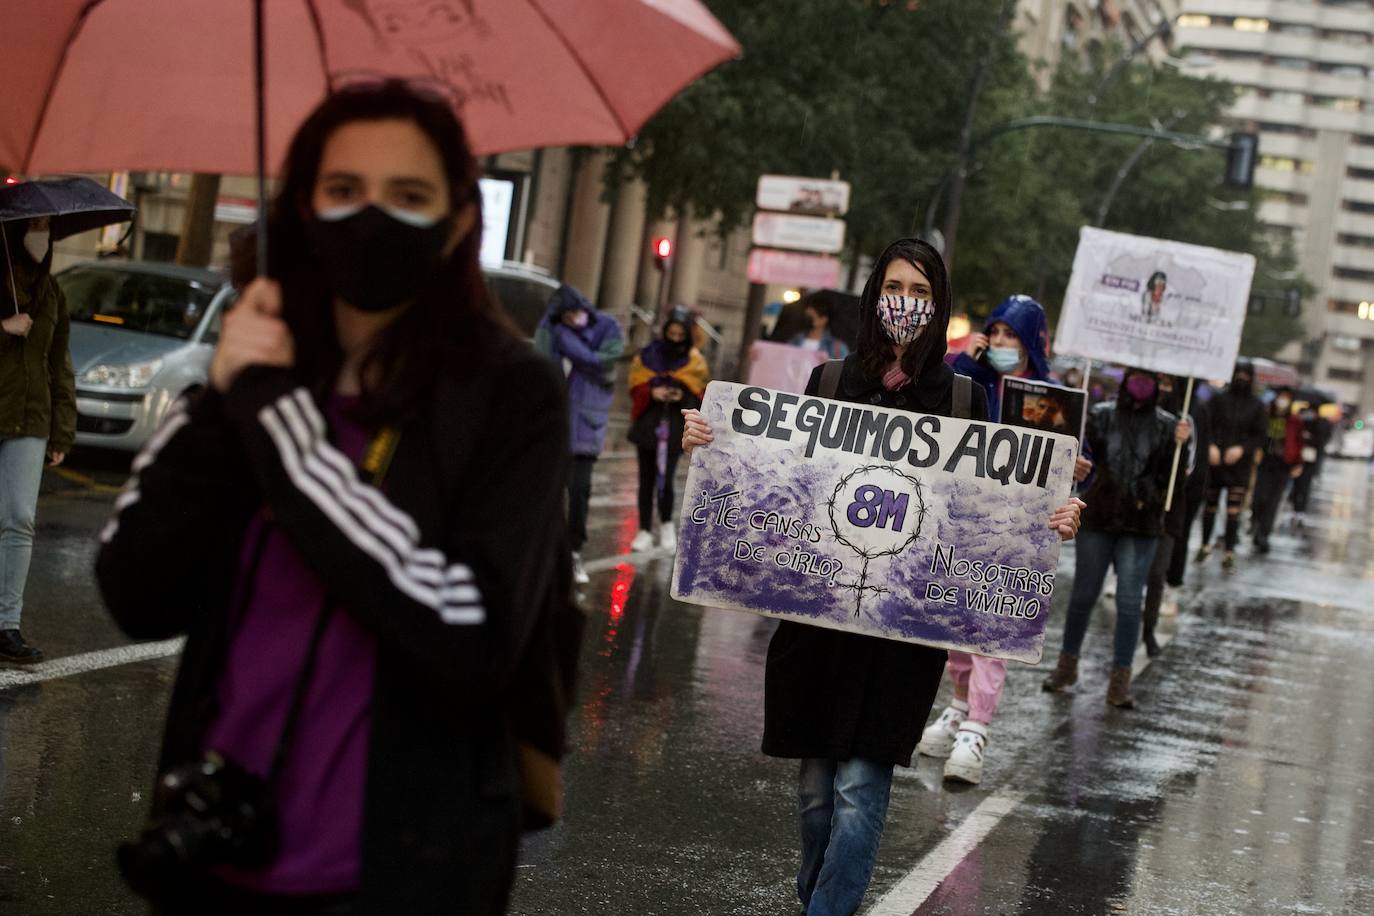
column 1098, row 550
column 843, row 809
column 21, row 472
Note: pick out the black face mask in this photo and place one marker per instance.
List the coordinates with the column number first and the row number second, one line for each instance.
column 375, row 260
column 1242, row 385
column 676, row 350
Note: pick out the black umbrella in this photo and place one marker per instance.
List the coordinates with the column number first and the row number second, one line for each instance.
column 74, row 204
column 1314, row 395
column 844, row 317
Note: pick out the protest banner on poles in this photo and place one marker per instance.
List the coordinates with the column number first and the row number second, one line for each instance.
column 1155, row 304
column 918, row 528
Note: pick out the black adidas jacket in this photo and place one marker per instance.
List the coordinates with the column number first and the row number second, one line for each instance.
column 456, row 565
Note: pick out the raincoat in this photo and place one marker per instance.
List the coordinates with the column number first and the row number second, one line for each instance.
column 1132, row 447
column 1026, row 318
column 37, row 388
column 655, row 366
column 1236, row 418
column 588, row 356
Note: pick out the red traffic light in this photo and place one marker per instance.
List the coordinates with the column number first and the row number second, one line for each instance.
column 663, row 248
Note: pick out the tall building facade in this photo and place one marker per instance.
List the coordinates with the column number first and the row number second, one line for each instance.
column 1048, row 28
column 1306, row 69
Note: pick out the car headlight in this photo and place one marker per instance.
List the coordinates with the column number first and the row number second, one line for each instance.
column 137, row 375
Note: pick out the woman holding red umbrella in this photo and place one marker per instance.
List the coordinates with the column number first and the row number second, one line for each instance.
column 354, row 528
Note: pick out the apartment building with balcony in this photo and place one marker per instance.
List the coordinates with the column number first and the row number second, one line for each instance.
column 1307, row 68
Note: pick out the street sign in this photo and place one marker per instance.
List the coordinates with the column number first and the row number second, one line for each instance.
column 802, row 195
column 812, row 271
column 803, row 233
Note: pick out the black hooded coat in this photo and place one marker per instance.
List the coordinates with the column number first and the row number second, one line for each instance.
column 840, row 695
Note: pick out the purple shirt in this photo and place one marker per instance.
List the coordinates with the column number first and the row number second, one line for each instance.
column 320, row 790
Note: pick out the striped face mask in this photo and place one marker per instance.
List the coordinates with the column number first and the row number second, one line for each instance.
column 903, row 317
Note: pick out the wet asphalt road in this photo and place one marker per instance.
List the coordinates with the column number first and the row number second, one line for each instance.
column 1243, row 783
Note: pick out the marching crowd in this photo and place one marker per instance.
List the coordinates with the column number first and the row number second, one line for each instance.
column 360, row 453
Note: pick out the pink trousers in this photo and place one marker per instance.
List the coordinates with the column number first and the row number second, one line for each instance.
column 980, row 680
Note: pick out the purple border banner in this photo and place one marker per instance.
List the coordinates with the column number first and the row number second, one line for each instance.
column 917, row 528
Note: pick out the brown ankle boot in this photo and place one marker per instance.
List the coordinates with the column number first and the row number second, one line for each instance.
column 1065, row 674
column 1119, row 689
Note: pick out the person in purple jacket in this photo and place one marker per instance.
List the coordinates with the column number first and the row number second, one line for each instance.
column 1015, row 341
column 586, row 343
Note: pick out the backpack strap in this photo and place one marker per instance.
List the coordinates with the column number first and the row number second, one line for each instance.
column 830, row 377
column 963, row 397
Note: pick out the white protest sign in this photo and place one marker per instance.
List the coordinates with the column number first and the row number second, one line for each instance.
column 884, row 522
column 1155, row 304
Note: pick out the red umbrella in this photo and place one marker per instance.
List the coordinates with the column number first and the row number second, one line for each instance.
column 178, row 85
column 168, row 84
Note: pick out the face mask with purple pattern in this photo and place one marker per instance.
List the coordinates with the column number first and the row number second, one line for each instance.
column 903, row 317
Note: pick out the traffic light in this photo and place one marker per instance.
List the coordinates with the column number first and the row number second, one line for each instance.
column 663, row 252
column 1241, row 159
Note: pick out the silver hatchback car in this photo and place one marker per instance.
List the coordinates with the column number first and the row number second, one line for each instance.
column 142, row 336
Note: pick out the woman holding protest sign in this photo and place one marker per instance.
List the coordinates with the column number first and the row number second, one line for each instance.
column 1015, row 342
column 666, row 377
column 851, row 706
column 1133, row 442
column 358, row 526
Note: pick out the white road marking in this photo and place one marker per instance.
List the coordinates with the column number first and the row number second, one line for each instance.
column 70, row 665
column 907, row 895
column 88, row 661
column 921, row 881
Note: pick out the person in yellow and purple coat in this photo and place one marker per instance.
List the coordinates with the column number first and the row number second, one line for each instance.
column 667, row 377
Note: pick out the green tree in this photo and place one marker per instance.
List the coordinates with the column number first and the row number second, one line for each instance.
column 872, row 90
column 1037, row 188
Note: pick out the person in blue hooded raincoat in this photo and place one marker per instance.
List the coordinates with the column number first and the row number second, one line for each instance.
column 587, row 342
column 1015, row 341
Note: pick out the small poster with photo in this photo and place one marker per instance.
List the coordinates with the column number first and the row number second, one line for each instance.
column 1040, row 405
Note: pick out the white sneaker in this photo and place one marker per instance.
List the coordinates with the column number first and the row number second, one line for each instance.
column 642, row 542
column 965, row 763
column 938, row 738
column 580, row 575
column 1168, row 606
column 667, row 538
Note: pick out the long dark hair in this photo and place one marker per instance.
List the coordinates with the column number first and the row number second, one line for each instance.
column 453, row 324
column 875, row 350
